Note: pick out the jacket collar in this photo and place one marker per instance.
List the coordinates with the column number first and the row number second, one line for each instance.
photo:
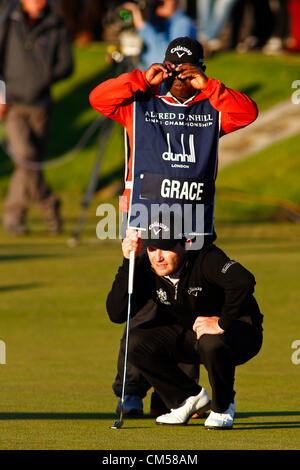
column 169, row 95
column 164, row 94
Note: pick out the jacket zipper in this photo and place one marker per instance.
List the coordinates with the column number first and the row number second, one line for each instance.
column 176, row 289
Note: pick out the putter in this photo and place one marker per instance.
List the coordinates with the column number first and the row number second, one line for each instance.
column 118, row 424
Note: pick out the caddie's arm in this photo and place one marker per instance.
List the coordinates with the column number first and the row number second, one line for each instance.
column 114, row 97
column 236, row 108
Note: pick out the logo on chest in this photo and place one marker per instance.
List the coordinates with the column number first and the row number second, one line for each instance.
column 194, row 291
column 162, row 296
column 185, row 154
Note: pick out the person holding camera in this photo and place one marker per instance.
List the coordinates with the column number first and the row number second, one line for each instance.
column 166, row 22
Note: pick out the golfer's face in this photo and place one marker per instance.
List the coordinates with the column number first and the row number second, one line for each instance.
column 166, row 262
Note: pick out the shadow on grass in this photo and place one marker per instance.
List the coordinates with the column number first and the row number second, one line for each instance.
column 63, row 416
column 26, row 257
column 250, row 90
column 279, row 424
column 268, row 424
column 289, row 425
column 19, row 287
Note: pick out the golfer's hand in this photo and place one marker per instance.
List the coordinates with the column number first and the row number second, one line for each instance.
column 132, row 242
column 207, row 326
column 157, row 73
column 3, row 109
column 194, row 74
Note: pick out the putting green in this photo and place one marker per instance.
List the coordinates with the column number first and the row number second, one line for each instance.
column 61, row 348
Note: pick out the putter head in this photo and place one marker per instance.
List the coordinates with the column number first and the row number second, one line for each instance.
column 117, row 425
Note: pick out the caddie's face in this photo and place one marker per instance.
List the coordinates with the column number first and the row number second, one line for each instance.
column 166, row 262
column 33, row 7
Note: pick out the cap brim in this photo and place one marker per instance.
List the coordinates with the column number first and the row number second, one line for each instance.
column 180, row 61
column 162, row 244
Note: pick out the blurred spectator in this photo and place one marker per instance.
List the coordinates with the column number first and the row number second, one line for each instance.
column 212, row 15
column 83, row 18
column 36, row 52
column 167, row 21
column 280, row 32
column 274, row 26
column 261, row 25
column 294, row 12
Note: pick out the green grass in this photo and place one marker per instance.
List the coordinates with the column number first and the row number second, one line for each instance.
column 62, row 349
column 267, row 80
column 266, row 181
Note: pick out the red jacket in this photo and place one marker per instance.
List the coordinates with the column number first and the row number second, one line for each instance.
column 114, row 98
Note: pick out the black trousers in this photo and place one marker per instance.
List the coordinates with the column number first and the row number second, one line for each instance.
column 156, row 350
column 136, row 384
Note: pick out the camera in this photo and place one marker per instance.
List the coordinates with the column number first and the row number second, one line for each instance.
column 117, row 19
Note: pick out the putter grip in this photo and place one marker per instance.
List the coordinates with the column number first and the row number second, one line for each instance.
column 131, row 272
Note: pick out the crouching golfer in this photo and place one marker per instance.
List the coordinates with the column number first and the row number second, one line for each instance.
column 205, row 314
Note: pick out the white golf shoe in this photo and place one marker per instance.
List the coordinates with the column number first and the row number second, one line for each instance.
column 221, row 420
column 182, row 414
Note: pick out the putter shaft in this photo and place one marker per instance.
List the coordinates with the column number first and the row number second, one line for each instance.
column 119, row 423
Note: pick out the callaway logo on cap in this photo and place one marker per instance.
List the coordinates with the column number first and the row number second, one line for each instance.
column 184, row 49
column 164, row 231
column 180, row 51
column 157, row 226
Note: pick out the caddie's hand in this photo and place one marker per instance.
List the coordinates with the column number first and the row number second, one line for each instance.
column 132, row 242
column 207, row 326
column 157, row 73
column 3, row 109
column 194, row 74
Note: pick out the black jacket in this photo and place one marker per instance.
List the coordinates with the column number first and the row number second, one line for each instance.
column 210, row 285
column 33, row 57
